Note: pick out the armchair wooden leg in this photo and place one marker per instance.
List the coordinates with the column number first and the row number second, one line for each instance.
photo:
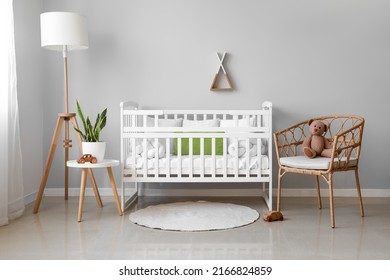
column 330, row 182
column 281, row 173
column 359, row 192
column 319, row 193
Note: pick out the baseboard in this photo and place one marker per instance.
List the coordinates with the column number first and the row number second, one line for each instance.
column 337, row 192
column 218, row 192
column 30, row 198
column 76, row 192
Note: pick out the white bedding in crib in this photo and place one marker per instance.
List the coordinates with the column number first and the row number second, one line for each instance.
column 208, row 162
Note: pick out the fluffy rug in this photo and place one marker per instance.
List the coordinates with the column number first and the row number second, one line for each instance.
column 194, row 216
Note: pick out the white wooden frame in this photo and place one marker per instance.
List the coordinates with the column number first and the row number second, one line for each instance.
column 134, row 128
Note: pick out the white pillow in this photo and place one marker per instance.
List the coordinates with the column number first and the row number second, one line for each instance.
column 203, row 123
column 240, row 122
column 166, row 123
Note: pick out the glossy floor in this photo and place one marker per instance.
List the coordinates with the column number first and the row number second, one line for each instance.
column 54, row 233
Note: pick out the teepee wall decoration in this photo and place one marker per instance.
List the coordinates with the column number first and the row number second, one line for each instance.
column 216, row 85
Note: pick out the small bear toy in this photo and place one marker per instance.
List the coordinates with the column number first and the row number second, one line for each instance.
column 316, row 144
column 271, row 216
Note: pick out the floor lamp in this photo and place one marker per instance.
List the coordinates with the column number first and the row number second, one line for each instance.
column 63, row 32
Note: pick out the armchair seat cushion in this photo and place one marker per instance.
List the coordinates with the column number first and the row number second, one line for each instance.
column 320, row 163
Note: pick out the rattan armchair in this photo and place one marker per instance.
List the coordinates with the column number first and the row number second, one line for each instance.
column 345, row 134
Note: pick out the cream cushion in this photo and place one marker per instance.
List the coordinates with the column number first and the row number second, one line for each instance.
column 321, row 163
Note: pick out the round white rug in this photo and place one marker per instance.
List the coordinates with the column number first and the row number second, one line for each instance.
column 194, row 216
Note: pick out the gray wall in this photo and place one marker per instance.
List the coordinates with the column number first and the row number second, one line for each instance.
column 309, row 58
column 30, row 90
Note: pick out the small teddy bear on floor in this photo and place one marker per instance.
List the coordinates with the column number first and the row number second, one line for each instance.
column 316, row 144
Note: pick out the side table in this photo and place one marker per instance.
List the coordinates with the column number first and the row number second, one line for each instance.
column 107, row 163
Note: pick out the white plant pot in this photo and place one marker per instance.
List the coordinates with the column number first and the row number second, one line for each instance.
column 96, row 149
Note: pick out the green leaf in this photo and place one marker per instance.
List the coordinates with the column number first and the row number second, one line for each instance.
column 91, row 132
column 97, row 121
column 81, row 115
column 101, row 123
column 81, row 133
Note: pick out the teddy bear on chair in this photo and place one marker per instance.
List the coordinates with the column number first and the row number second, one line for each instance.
column 316, row 144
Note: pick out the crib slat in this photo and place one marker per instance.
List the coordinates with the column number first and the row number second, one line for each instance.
column 247, row 153
column 179, row 151
column 144, row 123
column 213, row 156
column 259, row 144
column 132, row 121
column 156, row 157
column 155, row 120
column 190, row 171
column 168, row 157
column 134, row 158
column 225, row 158
column 236, row 166
column 202, row 165
column 145, row 157
column 235, row 119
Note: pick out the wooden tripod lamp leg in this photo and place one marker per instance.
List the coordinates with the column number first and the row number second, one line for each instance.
column 49, row 160
column 63, row 117
column 67, row 145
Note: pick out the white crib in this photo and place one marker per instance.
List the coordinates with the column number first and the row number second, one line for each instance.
column 195, row 146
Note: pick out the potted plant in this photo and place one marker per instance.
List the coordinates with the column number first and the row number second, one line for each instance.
column 91, row 142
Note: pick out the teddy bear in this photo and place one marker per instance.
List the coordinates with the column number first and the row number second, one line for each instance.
column 316, row 144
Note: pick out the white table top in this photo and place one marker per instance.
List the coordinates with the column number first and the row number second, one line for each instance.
column 104, row 163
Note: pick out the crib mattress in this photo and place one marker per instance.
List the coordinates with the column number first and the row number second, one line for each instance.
column 196, row 163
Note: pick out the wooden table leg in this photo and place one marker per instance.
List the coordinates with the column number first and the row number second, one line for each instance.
column 113, row 185
column 82, row 192
column 95, row 188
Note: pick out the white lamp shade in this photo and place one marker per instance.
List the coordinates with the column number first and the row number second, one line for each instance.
column 59, row 29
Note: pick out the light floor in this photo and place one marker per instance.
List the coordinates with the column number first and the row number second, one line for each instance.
column 54, row 233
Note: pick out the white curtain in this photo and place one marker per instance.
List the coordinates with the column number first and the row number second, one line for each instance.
column 11, row 182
